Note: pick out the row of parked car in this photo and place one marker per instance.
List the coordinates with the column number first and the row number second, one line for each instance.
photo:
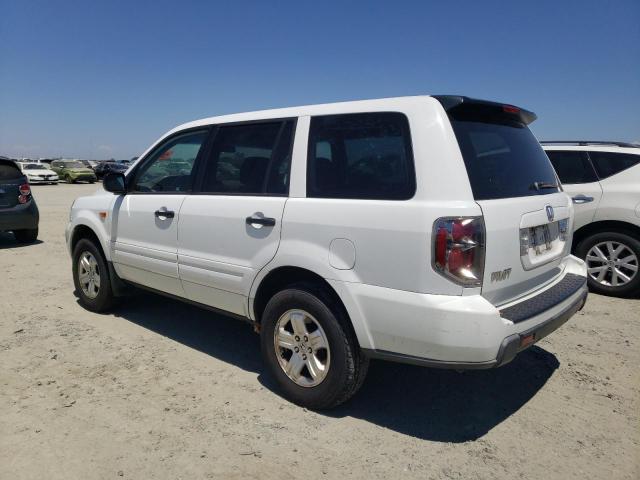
column 70, row 171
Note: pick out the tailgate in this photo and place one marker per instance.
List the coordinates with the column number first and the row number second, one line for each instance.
column 526, row 240
column 527, row 217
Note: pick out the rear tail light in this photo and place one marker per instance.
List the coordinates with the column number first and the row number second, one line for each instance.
column 458, row 249
column 25, row 192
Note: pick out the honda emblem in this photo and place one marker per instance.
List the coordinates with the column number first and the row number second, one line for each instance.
column 550, row 213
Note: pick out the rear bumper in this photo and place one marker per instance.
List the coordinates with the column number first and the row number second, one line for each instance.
column 20, row 217
column 462, row 332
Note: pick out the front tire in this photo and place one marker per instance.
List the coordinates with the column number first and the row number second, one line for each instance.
column 91, row 277
column 309, row 349
column 612, row 263
column 26, row 236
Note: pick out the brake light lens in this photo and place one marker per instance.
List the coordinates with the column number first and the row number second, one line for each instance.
column 24, row 189
column 458, row 249
column 25, row 193
column 510, row 109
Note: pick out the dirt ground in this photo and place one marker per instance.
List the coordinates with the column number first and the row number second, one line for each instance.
column 161, row 389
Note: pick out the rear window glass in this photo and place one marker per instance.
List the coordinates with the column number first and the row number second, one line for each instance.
column 504, row 160
column 609, row 163
column 8, row 171
column 360, row 156
column 572, row 166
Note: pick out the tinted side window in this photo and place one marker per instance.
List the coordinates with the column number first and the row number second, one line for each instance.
column 170, row 167
column 572, row 166
column 364, row 155
column 607, row 163
column 250, row 159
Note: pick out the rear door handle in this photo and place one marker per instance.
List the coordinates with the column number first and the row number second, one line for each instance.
column 579, row 199
column 164, row 214
column 264, row 221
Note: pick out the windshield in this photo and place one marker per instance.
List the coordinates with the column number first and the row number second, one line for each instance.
column 74, row 165
column 504, row 160
column 34, row 166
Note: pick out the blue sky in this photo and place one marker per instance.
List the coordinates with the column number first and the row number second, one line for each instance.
column 102, row 79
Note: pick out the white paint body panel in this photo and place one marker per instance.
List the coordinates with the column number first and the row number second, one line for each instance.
column 375, row 254
column 219, row 254
column 145, row 247
column 615, row 198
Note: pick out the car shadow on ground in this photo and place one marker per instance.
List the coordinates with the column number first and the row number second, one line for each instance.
column 7, row 240
column 430, row 404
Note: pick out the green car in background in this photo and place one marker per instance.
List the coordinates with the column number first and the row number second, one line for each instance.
column 73, row 171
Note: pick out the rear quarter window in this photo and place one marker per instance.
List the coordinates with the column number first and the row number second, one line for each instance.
column 360, row 156
column 611, row 163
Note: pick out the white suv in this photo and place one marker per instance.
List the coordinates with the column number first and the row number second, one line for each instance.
column 603, row 179
column 427, row 230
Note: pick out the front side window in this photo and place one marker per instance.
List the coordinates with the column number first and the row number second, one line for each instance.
column 572, row 166
column 360, row 156
column 170, row 167
column 250, row 159
column 610, row 163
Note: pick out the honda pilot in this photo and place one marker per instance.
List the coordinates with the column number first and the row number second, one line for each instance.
column 429, row 230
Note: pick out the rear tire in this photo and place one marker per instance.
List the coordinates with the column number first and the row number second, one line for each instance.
column 606, row 268
column 91, row 277
column 26, row 236
column 326, row 342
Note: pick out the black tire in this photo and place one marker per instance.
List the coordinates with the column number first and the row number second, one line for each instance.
column 347, row 367
column 26, row 236
column 632, row 288
column 105, row 298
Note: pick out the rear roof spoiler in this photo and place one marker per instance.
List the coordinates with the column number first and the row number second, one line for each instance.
column 457, row 104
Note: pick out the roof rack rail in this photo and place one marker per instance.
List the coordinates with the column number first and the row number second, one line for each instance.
column 589, row 142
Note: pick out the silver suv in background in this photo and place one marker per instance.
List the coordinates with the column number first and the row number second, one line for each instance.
column 603, row 180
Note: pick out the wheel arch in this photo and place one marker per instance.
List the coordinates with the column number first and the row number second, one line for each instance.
column 603, row 226
column 82, row 230
column 281, row 277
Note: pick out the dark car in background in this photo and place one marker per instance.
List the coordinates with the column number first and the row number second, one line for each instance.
column 18, row 209
column 110, row 167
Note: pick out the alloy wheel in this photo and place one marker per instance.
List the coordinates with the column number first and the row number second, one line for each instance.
column 302, row 348
column 89, row 275
column 612, row 263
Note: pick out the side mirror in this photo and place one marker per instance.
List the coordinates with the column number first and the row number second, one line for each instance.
column 115, row 183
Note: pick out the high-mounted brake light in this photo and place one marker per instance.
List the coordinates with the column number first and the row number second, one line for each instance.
column 458, row 249
column 510, row 109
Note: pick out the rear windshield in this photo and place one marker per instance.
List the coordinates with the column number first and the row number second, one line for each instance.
column 504, row 160
column 8, row 171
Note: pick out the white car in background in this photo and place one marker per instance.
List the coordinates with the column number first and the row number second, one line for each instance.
column 38, row 173
column 603, row 179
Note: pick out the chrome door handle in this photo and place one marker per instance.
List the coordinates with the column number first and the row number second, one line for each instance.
column 264, row 221
column 580, row 199
column 164, row 214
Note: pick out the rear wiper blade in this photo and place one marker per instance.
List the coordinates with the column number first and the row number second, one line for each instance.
column 543, row 185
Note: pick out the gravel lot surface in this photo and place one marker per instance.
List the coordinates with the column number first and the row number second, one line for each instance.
column 161, row 389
